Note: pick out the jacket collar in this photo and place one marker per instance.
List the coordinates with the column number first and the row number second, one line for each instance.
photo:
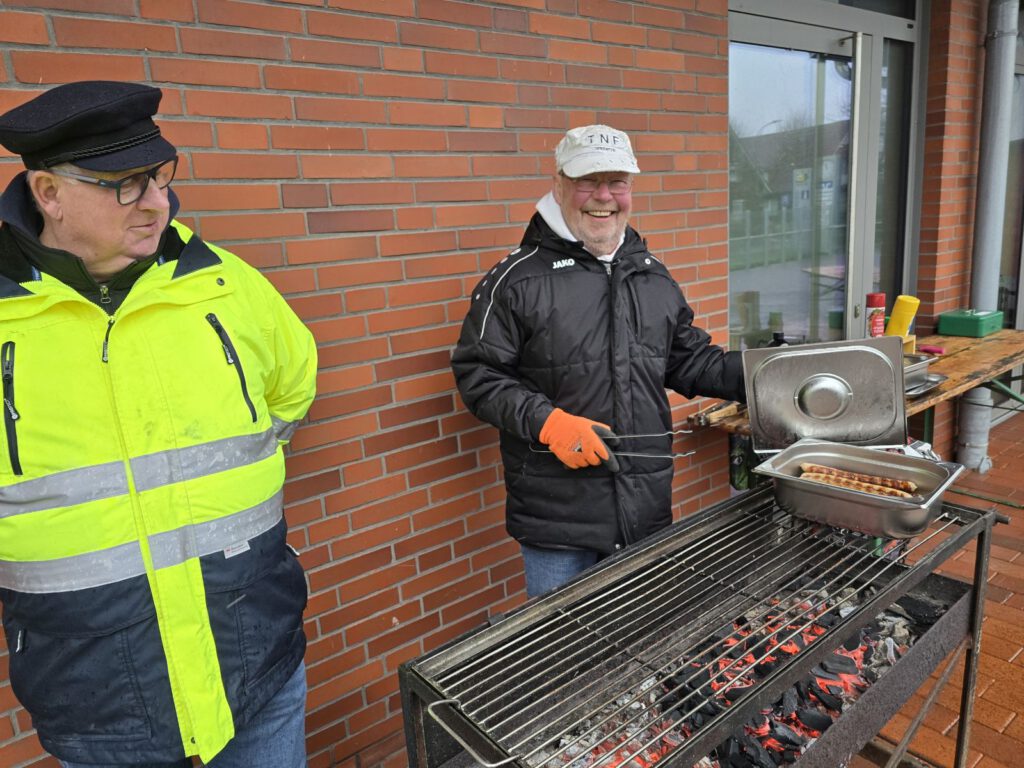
column 552, row 215
column 22, row 263
column 553, row 247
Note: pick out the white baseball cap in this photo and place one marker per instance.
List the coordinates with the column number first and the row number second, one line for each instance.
column 594, row 149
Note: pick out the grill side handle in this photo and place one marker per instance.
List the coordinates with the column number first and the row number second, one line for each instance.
column 472, row 752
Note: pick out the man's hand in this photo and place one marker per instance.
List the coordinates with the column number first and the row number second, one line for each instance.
column 574, row 440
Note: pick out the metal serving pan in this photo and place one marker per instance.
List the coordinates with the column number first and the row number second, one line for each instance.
column 846, row 508
column 915, row 370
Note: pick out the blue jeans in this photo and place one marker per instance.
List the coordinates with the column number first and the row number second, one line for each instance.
column 275, row 738
column 550, row 568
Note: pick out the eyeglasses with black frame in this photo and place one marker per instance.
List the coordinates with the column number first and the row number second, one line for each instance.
column 131, row 188
column 591, row 185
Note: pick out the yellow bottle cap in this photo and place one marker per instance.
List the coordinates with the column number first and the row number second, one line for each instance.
column 903, row 312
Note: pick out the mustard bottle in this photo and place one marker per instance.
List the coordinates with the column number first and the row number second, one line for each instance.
column 903, row 312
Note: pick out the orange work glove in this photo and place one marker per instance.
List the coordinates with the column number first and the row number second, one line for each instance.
column 574, row 440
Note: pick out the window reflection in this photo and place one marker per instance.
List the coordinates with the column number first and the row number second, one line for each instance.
column 789, row 178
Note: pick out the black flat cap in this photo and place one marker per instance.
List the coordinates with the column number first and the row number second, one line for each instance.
column 95, row 124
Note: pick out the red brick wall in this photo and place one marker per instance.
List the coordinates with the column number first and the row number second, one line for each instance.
column 373, row 157
column 950, row 167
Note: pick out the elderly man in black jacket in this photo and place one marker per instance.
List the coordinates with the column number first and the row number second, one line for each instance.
column 578, row 332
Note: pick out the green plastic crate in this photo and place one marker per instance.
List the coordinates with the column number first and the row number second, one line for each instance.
column 970, row 322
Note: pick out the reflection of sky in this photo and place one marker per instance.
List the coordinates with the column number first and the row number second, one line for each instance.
column 772, row 90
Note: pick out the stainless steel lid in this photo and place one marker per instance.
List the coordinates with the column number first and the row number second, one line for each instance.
column 844, row 391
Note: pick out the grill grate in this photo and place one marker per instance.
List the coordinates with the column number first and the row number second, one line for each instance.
column 607, row 663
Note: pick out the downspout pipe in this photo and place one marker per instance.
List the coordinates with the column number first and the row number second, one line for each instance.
column 975, row 415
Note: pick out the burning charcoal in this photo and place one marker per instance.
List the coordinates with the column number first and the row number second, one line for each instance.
column 829, row 619
column 813, row 719
column 711, row 707
column 737, row 650
column 670, row 700
column 758, row 755
column 786, row 735
column 788, row 703
column 837, row 663
column 827, row 699
column 869, row 652
column 758, row 725
column 853, row 642
column 792, row 646
column 736, row 689
column 835, row 684
column 802, row 690
column 766, row 667
column 731, row 754
column 697, row 676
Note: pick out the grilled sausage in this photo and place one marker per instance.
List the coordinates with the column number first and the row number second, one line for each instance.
column 854, row 485
column 903, row 485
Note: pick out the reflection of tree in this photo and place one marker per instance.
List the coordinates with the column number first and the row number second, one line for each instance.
column 745, row 176
column 762, row 166
column 844, row 68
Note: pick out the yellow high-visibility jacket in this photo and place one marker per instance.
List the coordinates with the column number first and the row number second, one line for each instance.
column 151, row 604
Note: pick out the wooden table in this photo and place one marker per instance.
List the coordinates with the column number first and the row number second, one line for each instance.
column 968, row 362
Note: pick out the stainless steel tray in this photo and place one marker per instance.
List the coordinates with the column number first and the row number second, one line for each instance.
column 915, row 370
column 930, row 382
column 856, row 510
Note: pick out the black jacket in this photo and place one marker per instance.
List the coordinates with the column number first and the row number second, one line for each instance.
column 550, row 326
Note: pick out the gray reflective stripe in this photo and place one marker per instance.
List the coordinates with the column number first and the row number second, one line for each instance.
column 283, row 429
column 174, row 547
column 64, row 489
column 157, row 469
column 79, row 572
column 97, row 569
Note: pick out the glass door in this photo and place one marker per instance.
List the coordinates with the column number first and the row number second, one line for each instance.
column 820, row 106
column 790, row 128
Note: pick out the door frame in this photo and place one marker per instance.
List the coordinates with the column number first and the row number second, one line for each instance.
column 822, row 27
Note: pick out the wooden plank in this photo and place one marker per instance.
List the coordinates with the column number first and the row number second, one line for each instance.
column 969, row 362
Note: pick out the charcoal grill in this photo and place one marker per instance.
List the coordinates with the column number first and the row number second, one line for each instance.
column 529, row 684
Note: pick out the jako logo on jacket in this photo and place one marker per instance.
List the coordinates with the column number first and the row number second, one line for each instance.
column 563, row 263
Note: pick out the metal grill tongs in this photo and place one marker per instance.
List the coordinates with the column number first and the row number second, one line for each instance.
column 611, row 440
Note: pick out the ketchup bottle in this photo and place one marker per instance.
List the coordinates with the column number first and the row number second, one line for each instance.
column 876, row 314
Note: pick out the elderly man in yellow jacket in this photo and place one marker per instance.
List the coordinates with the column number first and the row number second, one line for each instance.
column 151, row 606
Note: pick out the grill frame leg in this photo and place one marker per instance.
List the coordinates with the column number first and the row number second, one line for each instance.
column 973, row 657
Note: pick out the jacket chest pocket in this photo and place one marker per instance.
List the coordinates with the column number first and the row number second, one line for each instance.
column 633, row 314
column 231, row 358
column 11, row 414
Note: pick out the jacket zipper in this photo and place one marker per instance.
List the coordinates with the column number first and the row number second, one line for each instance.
column 610, row 267
column 232, row 357
column 11, row 415
column 106, row 341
